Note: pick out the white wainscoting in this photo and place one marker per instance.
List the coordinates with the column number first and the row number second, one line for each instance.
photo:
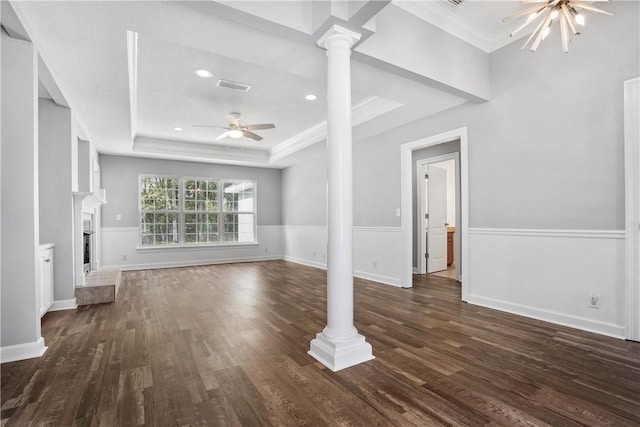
column 550, row 274
column 307, row 244
column 123, row 242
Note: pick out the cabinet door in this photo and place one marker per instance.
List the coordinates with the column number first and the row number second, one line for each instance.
column 49, row 283
column 42, row 291
column 46, row 280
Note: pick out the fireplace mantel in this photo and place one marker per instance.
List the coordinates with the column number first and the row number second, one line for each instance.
column 89, row 199
column 86, row 203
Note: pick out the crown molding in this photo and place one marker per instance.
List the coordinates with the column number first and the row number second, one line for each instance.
column 443, row 16
column 367, row 109
column 200, row 152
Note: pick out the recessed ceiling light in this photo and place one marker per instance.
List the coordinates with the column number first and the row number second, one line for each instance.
column 205, row 74
column 177, row 129
column 311, row 97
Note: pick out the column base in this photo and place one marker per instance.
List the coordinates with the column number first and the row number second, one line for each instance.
column 340, row 354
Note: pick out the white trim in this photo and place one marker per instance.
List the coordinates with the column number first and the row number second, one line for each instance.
column 202, row 246
column 632, row 207
column 306, row 227
column 365, row 110
column 379, row 229
column 443, row 16
column 604, row 328
column 66, row 304
column 406, row 217
column 420, row 191
column 387, row 280
column 132, row 57
column 588, row 234
column 414, row 270
column 308, row 263
column 30, row 350
column 157, row 265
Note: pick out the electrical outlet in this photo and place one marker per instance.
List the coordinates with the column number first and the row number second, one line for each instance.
column 594, row 300
column 118, row 217
column 266, row 250
column 324, row 256
column 124, row 257
column 314, row 254
column 375, row 264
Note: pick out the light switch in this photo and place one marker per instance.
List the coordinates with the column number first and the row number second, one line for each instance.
column 397, row 211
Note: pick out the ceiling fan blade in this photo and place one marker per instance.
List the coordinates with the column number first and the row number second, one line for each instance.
column 259, row 127
column 209, row 126
column 233, row 122
column 252, row 135
column 223, row 135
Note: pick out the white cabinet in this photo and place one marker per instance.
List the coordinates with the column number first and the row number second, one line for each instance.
column 46, row 277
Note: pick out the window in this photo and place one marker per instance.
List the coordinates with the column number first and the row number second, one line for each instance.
column 159, row 211
column 196, row 211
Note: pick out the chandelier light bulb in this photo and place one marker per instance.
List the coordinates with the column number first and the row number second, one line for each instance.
column 554, row 14
column 580, row 20
column 531, row 16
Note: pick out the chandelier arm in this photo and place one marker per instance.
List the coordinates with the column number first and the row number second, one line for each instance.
column 526, row 24
column 535, row 8
column 569, row 18
column 590, row 8
column 564, row 33
column 538, row 40
column 533, row 34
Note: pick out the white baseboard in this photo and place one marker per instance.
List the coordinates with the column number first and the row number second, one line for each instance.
column 414, row 270
column 393, row 281
column 308, row 263
column 30, row 350
column 603, row 328
column 66, row 304
column 360, row 274
column 152, row 266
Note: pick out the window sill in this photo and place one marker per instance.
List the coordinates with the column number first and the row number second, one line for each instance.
column 171, row 248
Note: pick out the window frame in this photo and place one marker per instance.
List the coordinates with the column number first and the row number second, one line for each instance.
column 141, row 212
column 182, row 244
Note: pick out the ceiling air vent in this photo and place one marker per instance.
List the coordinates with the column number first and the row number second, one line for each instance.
column 242, row 87
column 455, row 2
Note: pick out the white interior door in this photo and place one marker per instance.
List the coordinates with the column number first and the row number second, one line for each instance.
column 436, row 227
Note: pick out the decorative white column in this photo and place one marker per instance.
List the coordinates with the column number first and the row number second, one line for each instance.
column 339, row 345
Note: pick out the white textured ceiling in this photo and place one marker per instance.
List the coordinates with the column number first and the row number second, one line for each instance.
column 121, row 95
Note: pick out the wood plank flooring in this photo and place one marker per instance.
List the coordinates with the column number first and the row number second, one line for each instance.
column 227, row 345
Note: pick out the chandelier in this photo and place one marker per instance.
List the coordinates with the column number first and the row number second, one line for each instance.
column 546, row 12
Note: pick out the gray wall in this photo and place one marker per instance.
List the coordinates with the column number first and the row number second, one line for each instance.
column 425, row 153
column 56, row 138
column 545, row 153
column 119, row 177
column 19, row 216
column 304, row 188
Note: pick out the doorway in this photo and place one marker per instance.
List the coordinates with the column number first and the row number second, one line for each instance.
column 406, row 217
column 438, row 215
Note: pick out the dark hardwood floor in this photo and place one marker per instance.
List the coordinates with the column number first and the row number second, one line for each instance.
column 227, row 345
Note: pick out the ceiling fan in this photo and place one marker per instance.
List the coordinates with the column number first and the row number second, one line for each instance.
column 237, row 130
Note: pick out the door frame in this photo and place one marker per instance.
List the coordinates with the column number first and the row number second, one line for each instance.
column 632, row 207
column 420, row 192
column 406, row 217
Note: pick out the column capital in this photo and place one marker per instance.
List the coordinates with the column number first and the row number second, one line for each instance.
column 336, row 31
